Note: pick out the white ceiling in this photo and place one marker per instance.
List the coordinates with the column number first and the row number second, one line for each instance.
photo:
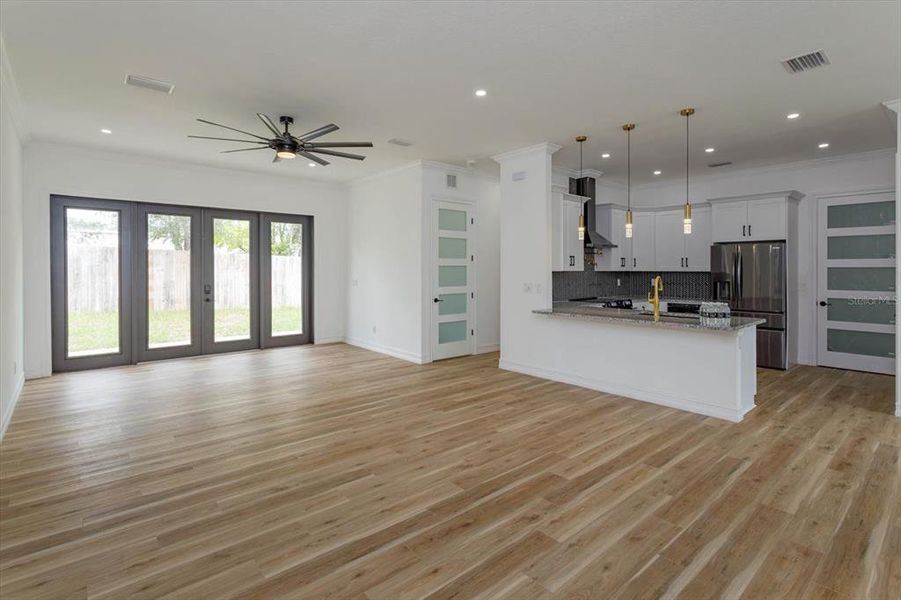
column 398, row 69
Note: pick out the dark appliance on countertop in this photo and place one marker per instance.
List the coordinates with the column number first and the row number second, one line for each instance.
column 751, row 278
column 606, row 302
column 585, row 186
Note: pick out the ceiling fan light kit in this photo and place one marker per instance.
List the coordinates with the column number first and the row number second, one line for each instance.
column 288, row 146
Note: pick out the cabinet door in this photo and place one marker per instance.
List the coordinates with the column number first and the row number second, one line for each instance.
column 697, row 243
column 730, row 222
column 575, row 256
column 766, row 219
column 559, row 247
column 643, row 241
column 669, row 242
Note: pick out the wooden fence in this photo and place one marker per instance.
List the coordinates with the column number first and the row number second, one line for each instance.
column 93, row 281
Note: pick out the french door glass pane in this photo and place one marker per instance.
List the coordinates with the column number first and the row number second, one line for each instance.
column 451, row 276
column 92, row 282
column 861, row 246
column 451, row 247
column 231, row 274
column 287, row 278
column 452, row 304
column 451, row 331
column 866, row 343
column 868, row 214
column 861, row 310
column 871, row 279
column 168, row 280
column 451, row 220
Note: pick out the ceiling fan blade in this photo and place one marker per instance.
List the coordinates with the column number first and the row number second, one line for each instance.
column 318, row 132
column 315, row 159
column 340, row 144
column 204, row 137
column 268, row 123
column 259, row 137
column 245, row 149
column 334, row 153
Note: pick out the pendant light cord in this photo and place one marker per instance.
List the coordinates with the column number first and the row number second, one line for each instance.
column 686, row 157
column 581, row 204
column 629, row 168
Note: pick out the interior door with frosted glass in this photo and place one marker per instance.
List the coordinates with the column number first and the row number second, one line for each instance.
column 453, row 275
column 230, row 281
column 90, row 246
column 856, row 304
column 286, row 276
column 168, row 273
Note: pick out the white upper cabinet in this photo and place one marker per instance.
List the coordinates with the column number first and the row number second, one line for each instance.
column 762, row 217
column 643, row 257
column 611, row 223
column 567, row 247
column 697, row 243
column 669, row 245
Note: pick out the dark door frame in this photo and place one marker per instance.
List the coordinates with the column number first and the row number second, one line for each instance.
column 267, row 340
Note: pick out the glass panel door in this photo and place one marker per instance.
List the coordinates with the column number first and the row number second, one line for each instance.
column 230, row 281
column 90, row 283
column 856, row 304
column 453, row 262
column 168, row 274
column 285, row 279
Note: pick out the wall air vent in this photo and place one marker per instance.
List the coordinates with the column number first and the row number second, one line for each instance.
column 452, row 181
column 400, row 142
column 720, row 164
column 151, row 84
column 806, row 62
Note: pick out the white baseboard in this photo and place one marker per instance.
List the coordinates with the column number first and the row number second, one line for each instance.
column 485, row 348
column 395, row 352
column 652, row 396
column 6, row 418
column 334, row 339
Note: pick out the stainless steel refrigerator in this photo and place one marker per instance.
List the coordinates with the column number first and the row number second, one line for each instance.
column 750, row 276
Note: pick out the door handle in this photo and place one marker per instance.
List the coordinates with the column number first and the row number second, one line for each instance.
column 824, row 303
column 437, row 300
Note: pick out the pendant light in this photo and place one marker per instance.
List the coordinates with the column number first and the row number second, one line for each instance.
column 581, row 139
column 686, row 210
column 628, row 127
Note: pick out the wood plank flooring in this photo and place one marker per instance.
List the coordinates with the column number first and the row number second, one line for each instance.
column 333, row 472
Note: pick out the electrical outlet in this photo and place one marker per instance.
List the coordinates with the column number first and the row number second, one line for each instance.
column 619, row 282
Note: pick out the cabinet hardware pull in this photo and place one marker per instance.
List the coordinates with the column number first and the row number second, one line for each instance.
column 749, row 231
column 634, row 262
column 743, row 228
column 686, row 262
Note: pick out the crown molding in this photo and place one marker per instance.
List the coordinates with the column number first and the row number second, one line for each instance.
column 793, row 195
column 546, row 147
column 458, row 170
column 382, row 174
column 10, row 91
column 574, row 173
column 893, row 105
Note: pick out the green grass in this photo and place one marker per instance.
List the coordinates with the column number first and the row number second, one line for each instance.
column 100, row 330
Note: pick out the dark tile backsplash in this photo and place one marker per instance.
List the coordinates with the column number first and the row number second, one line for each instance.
column 574, row 284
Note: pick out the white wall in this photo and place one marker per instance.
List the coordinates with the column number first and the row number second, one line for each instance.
column 11, row 309
column 56, row 169
column 384, row 304
column 389, row 287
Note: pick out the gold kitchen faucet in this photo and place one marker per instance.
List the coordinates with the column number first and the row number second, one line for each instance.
column 655, row 299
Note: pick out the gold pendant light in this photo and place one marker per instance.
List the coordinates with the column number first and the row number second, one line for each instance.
column 686, row 210
column 628, row 127
column 581, row 139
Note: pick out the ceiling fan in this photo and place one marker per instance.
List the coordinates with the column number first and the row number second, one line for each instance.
column 288, row 146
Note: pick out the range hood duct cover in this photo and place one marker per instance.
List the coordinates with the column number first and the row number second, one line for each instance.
column 585, row 186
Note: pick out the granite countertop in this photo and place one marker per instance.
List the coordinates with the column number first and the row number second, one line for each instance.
column 587, row 312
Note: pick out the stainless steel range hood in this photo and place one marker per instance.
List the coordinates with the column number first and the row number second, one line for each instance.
column 585, row 186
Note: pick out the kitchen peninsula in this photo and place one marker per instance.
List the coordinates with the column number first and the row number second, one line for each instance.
column 675, row 361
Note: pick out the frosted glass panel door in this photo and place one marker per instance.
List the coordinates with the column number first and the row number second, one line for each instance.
column 856, row 304
column 452, row 265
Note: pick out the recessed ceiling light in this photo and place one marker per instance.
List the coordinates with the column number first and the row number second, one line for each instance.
column 657, row 172
column 709, row 150
column 106, row 131
column 481, row 93
column 605, row 155
column 823, row 145
column 311, row 164
column 792, row 115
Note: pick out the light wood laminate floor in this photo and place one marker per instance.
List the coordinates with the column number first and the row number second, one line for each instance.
column 332, row 471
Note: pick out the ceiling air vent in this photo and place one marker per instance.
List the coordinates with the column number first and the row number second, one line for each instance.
column 452, row 181
column 720, row 164
column 806, row 62
column 400, row 142
column 149, row 83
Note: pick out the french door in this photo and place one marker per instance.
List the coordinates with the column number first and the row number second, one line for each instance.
column 856, row 304
column 133, row 282
column 452, row 276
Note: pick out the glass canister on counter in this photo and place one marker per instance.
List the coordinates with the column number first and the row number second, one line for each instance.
column 715, row 314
